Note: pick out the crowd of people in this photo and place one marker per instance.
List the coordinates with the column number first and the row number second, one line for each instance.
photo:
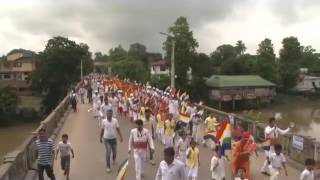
column 170, row 118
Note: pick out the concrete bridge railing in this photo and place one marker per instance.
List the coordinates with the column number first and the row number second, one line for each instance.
column 17, row 163
column 310, row 147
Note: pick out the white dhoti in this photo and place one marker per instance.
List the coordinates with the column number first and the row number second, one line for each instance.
column 139, row 156
column 182, row 156
column 192, row 172
column 168, row 140
column 265, row 167
column 160, row 136
column 274, row 173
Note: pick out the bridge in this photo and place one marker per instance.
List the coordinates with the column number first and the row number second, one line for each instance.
column 89, row 161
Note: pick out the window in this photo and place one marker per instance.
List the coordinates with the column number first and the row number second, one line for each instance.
column 6, row 76
column 17, row 64
column 163, row 68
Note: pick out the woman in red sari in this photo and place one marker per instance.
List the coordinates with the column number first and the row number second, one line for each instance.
column 241, row 158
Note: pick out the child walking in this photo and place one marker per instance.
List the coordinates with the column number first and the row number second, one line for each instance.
column 307, row 173
column 182, row 146
column 277, row 161
column 193, row 161
column 65, row 149
column 218, row 163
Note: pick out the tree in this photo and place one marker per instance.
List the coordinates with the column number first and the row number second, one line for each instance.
column 223, row 53
column 240, row 47
column 243, row 65
column 290, row 58
column 160, row 81
column 58, row 68
column 266, row 65
column 9, row 101
column 130, row 68
column 202, row 65
column 118, row 54
column 139, row 52
column 310, row 60
column 185, row 47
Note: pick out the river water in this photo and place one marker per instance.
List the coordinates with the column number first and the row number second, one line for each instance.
column 12, row 137
column 304, row 113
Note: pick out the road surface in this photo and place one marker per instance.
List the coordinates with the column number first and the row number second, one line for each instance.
column 89, row 162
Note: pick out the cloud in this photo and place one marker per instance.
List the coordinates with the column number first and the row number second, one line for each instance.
column 108, row 23
column 104, row 24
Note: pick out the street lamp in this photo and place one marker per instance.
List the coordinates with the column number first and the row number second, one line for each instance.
column 172, row 58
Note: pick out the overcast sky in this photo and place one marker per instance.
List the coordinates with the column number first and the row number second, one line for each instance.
column 105, row 24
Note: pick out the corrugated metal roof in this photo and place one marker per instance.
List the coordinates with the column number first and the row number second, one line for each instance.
column 237, row 81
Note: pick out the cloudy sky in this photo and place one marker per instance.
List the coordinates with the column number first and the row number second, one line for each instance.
column 104, row 24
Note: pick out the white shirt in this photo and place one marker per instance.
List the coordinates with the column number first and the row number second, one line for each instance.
column 142, row 137
column 65, row 149
column 174, row 171
column 104, row 108
column 219, row 171
column 110, row 128
column 237, row 178
column 276, row 161
column 307, row 175
column 273, row 132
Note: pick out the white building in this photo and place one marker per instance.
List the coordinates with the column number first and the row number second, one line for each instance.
column 160, row 68
column 308, row 83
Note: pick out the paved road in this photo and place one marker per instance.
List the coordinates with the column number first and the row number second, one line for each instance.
column 89, row 163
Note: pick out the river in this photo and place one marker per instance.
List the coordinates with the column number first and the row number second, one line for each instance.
column 304, row 113
column 11, row 137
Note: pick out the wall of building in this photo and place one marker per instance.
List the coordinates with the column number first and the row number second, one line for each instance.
column 157, row 70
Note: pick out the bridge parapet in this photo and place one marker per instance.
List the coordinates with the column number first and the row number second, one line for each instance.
column 17, row 163
column 310, row 146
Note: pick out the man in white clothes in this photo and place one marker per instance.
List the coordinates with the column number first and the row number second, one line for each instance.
column 108, row 135
column 271, row 134
column 139, row 140
column 105, row 107
column 170, row 168
column 114, row 101
column 174, row 107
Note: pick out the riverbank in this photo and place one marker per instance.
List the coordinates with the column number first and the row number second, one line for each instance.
column 12, row 136
column 303, row 111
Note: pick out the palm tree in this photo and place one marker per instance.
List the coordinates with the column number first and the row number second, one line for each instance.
column 240, row 47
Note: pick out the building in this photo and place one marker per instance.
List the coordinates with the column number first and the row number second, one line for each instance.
column 223, row 88
column 307, row 84
column 160, row 68
column 15, row 70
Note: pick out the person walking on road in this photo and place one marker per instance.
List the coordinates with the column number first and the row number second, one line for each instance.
column 109, row 128
column 271, row 133
column 65, row 149
column 171, row 168
column 45, row 154
column 139, row 140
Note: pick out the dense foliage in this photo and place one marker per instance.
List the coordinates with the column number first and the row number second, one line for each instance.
column 59, row 68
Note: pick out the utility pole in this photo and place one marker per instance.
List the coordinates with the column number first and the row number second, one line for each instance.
column 173, row 75
column 172, row 63
column 81, row 71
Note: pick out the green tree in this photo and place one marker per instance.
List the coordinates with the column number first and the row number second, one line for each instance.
column 9, row 101
column 290, row 58
column 223, row 53
column 310, row 60
column 160, row 81
column 266, row 65
column 118, row 54
column 139, row 52
column 202, row 65
column 242, row 65
column 130, row 68
column 240, row 47
column 59, row 68
column 185, row 47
